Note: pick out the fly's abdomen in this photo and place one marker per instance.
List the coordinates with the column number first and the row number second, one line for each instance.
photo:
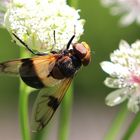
column 29, row 75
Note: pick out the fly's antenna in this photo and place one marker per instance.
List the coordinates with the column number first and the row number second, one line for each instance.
column 71, row 39
column 54, row 36
column 74, row 29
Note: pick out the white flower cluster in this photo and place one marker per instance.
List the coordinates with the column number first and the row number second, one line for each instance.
column 129, row 8
column 35, row 21
column 124, row 71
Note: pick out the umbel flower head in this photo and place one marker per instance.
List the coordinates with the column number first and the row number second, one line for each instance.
column 124, row 71
column 129, row 8
column 35, row 22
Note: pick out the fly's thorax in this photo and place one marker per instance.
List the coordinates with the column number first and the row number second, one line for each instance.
column 66, row 67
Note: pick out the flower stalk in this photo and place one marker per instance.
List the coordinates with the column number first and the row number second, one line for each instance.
column 132, row 128
column 23, row 107
column 117, row 124
column 23, row 112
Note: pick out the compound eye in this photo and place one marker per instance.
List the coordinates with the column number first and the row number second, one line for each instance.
column 80, row 50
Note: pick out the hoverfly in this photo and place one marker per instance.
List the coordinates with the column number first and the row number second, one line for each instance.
column 51, row 73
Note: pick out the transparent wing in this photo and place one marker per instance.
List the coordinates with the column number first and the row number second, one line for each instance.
column 46, row 104
column 40, row 65
column 10, row 67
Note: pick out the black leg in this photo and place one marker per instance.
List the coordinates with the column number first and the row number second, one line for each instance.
column 27, row 47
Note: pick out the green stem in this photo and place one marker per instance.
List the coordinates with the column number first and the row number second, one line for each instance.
column 116, row 124
column 23, row 109
column 65, row 114
column 132, row 128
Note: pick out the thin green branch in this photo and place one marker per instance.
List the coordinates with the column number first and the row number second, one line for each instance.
column 132, row 128
column 23, row 107
column 117, row 124
column 23, row 111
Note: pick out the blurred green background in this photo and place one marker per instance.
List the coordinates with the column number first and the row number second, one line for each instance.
column 103, row 34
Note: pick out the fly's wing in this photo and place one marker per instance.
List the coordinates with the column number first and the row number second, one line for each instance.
column 10, row 67
column 46, row 104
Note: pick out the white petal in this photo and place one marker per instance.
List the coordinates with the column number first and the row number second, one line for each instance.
column 136, row 45
column 107, row 2
column 116, row 97
column 133, row 104
column 113, row 69
column 116, row 10
column 127, row 19
column 112, row 83
column 108, row 67
column 123, row 45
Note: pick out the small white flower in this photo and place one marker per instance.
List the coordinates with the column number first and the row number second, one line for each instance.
column 129, row 8
column 124, row 71
column 35, row 21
